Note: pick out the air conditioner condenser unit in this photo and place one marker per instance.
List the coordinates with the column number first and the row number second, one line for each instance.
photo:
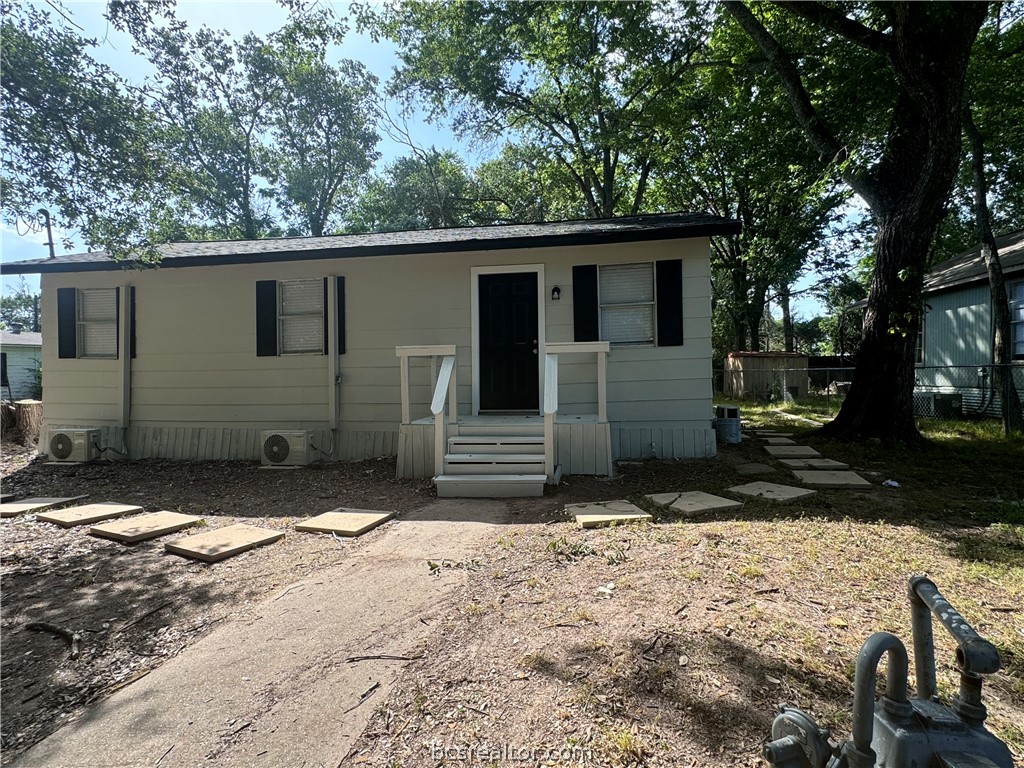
column 285, row 448
column 74, row 445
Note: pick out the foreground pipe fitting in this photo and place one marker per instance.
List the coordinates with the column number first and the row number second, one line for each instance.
column 859, row 753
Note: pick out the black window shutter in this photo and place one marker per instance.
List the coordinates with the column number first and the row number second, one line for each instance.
column 327, row 306
column 669, row 290
column 266, row 318
column 585, row 319
column 117, row 322
column 341, row 315
column 131, row 320
column 67, row 324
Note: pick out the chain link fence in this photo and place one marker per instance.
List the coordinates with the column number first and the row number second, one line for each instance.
column 949, row 394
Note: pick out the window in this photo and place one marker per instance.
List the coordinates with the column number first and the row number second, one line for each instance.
column 88, row 321
column 291, row 316
column 1015, row 293
column 301, row 316
column 626, row 300
column 96, row 322
column 919, row 346
column 629, row 303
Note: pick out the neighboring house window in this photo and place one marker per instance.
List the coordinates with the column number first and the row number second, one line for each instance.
column 1016, row 296
column 88, row 322
column 291, row 317
column 626, row 300
column 919, row 347
column 629, row 303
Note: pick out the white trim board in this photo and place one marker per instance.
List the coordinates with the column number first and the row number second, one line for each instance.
column 474, row 310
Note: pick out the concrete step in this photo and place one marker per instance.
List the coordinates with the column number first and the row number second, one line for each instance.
column 493, row 463
column 489, row 486
column 496, row 444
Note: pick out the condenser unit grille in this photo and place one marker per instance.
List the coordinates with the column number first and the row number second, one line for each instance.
column 276, row 448
column 61, row 445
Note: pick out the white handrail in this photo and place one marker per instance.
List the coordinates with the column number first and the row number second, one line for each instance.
column 404, row 353
column 602, row 349
column 443, row 390
column 550, row 412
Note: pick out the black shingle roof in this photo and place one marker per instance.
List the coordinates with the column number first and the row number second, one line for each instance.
column 499, row 237
column 969, row 266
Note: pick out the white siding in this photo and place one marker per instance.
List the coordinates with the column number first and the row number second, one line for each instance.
column 196, row 367
column 22, row 369
column 958, row 327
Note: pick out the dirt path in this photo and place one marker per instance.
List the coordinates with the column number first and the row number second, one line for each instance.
column 276, row 688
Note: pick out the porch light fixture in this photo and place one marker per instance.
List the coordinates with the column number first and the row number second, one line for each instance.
column 556, row 293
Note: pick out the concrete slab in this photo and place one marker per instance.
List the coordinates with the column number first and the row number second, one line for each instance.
column 5, row 497
column 791, row 451
column 599, row 513
column 755, row 469
column 222, row 543
column 772, row 433
column 831, row 478
column 773, row 491
column 778, row 441
column 814, row 464
column 25, row 506
column 144, row 527
column 693, row 502
column 345, row 522
column 88, row 513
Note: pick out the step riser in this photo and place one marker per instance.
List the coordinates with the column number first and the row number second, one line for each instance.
column 490, row 447
column 492, row 430
column 458, row 468
column 459, row 489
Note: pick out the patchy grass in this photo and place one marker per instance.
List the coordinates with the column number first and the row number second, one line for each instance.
column 678, row 652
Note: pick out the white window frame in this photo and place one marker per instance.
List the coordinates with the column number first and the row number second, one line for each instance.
column 1016, row 326
column 283, row 317
column 81, row 322
column 653, row 304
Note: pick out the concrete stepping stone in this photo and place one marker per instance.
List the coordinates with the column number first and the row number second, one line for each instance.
column 599, row 513
column 144, row 527
column 831, row 478
column 222, row 543
column 14, row 508
column 772, row 433
column 792, row 451
column 692, row 503
column 814, row 464
column 778, row 441
column 772, row 491
column 755, row 469
column 345, row 522
column 88, row 513
column 5, row 497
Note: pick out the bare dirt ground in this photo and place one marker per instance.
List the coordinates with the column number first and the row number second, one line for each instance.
column 668, row 644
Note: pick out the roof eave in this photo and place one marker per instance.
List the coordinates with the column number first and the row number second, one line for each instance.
column 708, row 229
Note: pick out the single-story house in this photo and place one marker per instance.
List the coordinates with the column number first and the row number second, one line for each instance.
column 565, row 345
column 21, row 355
column 954, row 346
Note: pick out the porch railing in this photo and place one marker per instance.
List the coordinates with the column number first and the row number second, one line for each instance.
column 445, row 388
column 552, row 351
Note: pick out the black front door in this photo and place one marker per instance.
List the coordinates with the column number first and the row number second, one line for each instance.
column 508, row 342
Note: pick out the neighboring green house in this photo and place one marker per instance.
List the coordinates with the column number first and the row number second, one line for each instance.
column 21, row 353
column 954, row 350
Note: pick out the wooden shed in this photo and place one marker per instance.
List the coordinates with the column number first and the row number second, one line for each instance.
column 766, row 375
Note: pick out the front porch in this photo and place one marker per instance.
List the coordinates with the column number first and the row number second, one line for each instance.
column 501, row 454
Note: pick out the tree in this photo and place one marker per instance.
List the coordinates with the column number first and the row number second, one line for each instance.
column 77, row 139
column 583, row 81
column 524, row 184
column 214, row 101
column 20, row 306
column 321, row 121
column 904, row 173
column 428, row 189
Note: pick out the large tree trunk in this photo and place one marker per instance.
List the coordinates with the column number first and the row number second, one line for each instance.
column 787, row 320
column 924, row 48
column 1002, row 324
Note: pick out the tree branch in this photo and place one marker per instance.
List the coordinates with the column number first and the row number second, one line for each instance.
column 845, row 27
